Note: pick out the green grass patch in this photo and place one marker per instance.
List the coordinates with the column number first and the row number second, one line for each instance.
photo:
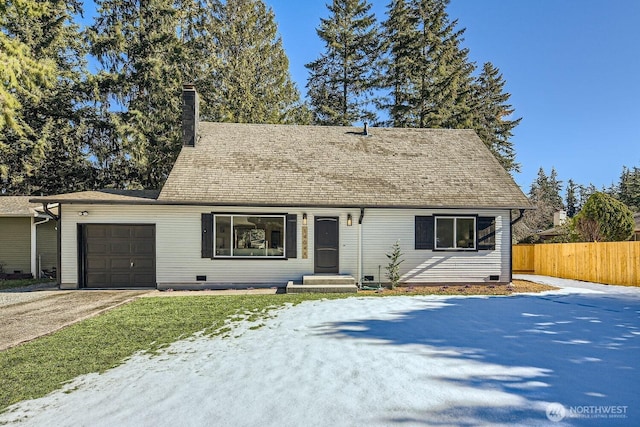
column 34, row 369
column 21, row 283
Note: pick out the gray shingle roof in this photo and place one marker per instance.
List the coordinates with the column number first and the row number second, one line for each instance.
column 103, row 196
column 17, row 206
column 284, row 165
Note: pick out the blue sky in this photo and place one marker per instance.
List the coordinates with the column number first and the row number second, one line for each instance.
column 571, row 66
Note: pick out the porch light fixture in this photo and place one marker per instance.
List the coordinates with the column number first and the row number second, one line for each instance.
column 349, row 220
column 304, row 219
column 83, row 213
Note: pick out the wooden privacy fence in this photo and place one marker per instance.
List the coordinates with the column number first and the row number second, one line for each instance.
column 613, row 263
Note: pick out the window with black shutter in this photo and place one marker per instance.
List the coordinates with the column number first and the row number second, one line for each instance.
column 486, row 233
column 424, row 232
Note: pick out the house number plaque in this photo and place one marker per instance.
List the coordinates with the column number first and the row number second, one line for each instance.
column 305, row 251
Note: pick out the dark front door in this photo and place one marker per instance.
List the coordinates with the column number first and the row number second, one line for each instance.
column 326, row 244
column 119, row 255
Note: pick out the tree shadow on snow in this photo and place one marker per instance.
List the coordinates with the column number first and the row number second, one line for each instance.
column 578, row 350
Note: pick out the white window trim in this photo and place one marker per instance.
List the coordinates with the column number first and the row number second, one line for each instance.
column 231, row 248
column 455, row 229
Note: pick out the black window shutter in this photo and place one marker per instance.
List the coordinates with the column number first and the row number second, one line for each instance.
column 292, row 236
column 207, row 235
column 424, row 232
column 486, row 233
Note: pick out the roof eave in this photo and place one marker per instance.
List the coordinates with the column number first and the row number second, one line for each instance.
column 279, row 204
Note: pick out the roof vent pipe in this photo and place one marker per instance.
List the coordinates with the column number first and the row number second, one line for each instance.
column 365, row 131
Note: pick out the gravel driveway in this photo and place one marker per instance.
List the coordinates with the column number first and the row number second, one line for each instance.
column 26, row 315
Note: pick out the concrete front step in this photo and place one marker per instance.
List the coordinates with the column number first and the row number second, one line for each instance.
column 328, row 280
column 321, row 288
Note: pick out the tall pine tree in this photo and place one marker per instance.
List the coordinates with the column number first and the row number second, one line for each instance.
column 629, row 187
column 571, row 199
column 343, row 79
column 22, row 73
column 545, row 195
column 249, row 82
column 491, row 113
column 48, row 154
column 402, row 68
column 144, row 63
column 429, row 73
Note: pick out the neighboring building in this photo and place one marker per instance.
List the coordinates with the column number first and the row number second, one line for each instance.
column 27, row 237
column 559, row 220
column 261, row 205
column 636, row 230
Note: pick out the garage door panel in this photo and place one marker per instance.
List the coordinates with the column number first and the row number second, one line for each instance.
column 119, row 263
column 148, row 279
column 146, row 248
column 144, row 263
column 120, row 231
column 120, row 248
column 121, row 280
column 97, row 247
column 141, row 232
column 96, row 280
column 119, row 255
column 95, row 263
column 96, row 231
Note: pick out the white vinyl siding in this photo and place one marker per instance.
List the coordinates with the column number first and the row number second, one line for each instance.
column 15, row 244
column 178, row 244
column 179, row 234
column 382, row 227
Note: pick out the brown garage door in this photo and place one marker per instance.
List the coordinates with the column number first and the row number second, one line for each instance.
column 118, row 255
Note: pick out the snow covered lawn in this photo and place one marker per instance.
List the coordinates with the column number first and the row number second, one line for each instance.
column 379, row 362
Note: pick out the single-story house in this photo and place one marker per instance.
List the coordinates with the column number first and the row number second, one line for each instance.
column 636, row 229
column 27, row 238
column 262, row 205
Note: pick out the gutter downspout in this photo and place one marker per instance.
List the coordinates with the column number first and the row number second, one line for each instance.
column 32, row 255
column 45, row 206
column 360, row 257
column 515, row 221
column 511, row 224
column 35, row 265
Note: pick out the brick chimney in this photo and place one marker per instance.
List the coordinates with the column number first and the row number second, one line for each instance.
column 190, row 113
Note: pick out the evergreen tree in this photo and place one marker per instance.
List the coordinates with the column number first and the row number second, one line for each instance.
column 491, row 112
column 401, row 28
column 429, row 72
column 145, row 62
column 342, row 80
column 571, row 199
column 603, row 218
column 553, row 190
column 393, row 268
column 23, row 73
column 584, row 193
column 250, row 80
column 545, row 195
column 48, row 155
column 629, row 187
